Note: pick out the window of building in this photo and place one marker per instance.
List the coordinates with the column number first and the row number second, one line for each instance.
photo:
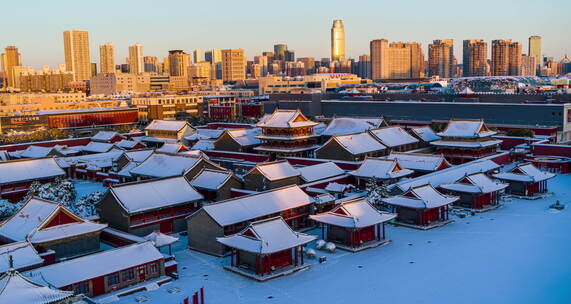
column 81, row 288
column 113, row 279
column 154, row 268
column 127, row 275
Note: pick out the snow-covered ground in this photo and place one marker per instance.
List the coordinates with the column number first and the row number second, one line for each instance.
column 516, row 254
column 85, row 187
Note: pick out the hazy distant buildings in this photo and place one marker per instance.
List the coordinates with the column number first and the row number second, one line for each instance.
column 441, row 58
column 107, row 58
column 44, row 80
column 308, row 64
column 364, row 66
column 151, row 64
column 233, row 65
column 136, row 62
column 337, row 41
column 10, row 59
column 475, row 58
column 77, row 57
column 506, row 58
column 280, row 51
column 534, row 49
column 397, row 60
column 528, row 66
column 197, row 55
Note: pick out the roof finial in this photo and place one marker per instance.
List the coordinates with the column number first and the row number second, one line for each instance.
column 10, row 262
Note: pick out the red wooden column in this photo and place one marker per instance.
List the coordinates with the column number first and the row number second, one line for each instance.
column 301, row 253
column 295, row 254
column 237, row 257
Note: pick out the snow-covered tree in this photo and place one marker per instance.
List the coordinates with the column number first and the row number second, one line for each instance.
column 85, row 206
column 377, row 192
column 7, row 209
column 61, row 191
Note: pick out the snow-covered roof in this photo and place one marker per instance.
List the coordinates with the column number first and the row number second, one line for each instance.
column 210, row 179
column 266, row 236
column 286, row 119
column 15, row 288
column 33, row 152
column 357, row 143
column 320, row 171
column 426, row 134
column 101, row 160
column 172, row 148
column 351, row 125
column 204, row 145
column 165, row 165
column 28, row 170
column 246, row 137
column 475, row 183
column 448, row 175
column 256, row 205
column 323, row 198
column 195, row 153
column 276, row 170
column 96, row 147
column 4, row 155
column 104, row 136
column 160, row 239
column 381, row 169
column 466, row 144
column 154, row 194
column 30, row 222
column 96, row 265
column 393, row 136
column 353, row 214
column 23, row 254
column 126, row 144
column 421, row 197
column 525, row 173
column 205, row 134
column 466, row 128
column 166, row 125
column 337, row 187
column 419, row 162
column 139, row 155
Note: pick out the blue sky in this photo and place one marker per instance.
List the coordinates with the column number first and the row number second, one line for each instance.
column 36, row 26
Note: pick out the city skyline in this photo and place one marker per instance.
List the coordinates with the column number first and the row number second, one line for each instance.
column 309, row 37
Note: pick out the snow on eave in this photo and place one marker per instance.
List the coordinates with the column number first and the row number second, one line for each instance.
column 228, row 175
column 269, row 176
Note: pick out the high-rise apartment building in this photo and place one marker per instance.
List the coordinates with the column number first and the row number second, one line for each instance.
column 280, row 51
column 441, row 58
column 534, row 49
column 213, row 56
column 506, row 58
column 197, row 55
column 10, row 58
column 233, row 65
column 136, row 61
column 178, row 62
column 308, row 63
column 364, row 66
column 200, row 73
column 528, row 66
column 397, row 60
column 77, row 57
column 475, row 58
column 337, row 41
column 107, row 58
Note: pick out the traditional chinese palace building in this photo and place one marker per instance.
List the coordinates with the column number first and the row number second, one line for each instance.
column 288, row 133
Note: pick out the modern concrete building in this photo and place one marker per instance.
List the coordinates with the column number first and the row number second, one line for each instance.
column 136, row 63
column 397, row 60
column 364, row 66
column 441, row 58
column 528, row 66
column 280, row 51
column 506, row 58
column 475, row 58
column 178, row 62
column 197, row 56
column 534, row 49
column 10, row 58
column 77, row 56
column 233, row 65
column 107, row 58
column 338, row 41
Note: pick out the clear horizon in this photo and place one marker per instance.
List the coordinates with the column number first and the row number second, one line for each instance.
column 252, row 25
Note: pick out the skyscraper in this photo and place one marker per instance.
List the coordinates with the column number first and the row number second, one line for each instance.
column 280, row 51
column 441, row 58
column 506, row 58
column 197, row 55
column 233, row 65
column 364, row 66
column 107, row 58
column 136, row 61
column 179, row 62
column 77, row 57
column 10, row 58
column 213, row 56
column 337, row 41
column 475, row 58
column 534, row 49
